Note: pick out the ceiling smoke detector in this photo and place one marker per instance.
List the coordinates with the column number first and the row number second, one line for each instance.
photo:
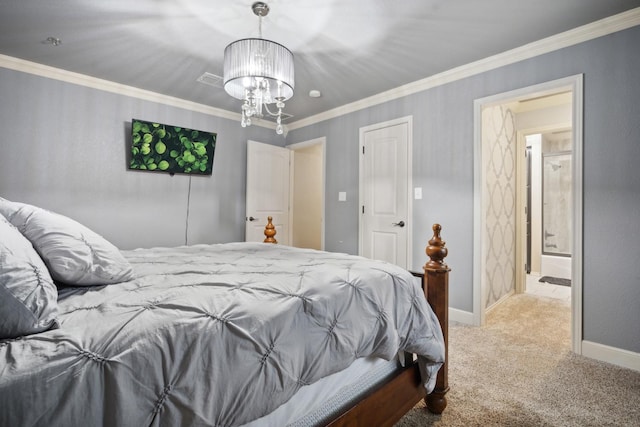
column 53, row 41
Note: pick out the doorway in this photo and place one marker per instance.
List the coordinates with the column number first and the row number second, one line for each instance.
column 547, row 206
column 307, row 193
column 499, row 219
column 287, row 184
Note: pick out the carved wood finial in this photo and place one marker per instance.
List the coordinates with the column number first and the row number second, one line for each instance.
column 270, row 231
column 436, row 251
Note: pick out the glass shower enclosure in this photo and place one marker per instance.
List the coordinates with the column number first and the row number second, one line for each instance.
column 556, row 203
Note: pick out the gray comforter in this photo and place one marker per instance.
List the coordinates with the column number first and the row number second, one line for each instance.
column 214, row 335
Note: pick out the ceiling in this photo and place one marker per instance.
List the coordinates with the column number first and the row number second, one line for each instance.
column 347, row 49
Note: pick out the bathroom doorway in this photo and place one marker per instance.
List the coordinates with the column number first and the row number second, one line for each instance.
column 501, row 123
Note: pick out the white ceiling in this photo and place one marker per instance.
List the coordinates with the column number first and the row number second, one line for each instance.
column 347, row 49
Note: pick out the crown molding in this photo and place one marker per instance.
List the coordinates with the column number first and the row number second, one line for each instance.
column 46, row 71
column 572, row 37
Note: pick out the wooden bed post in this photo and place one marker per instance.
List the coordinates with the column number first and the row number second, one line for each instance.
column 436, row 287
column 270, row 231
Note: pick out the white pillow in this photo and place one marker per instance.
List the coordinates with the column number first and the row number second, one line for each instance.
column 74, row 254
column 28, row 296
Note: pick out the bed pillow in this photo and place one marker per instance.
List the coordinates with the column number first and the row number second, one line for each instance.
column 28, row 296
column 74, row 254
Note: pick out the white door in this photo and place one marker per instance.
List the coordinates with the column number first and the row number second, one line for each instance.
column 384, row 189
column 267, row 191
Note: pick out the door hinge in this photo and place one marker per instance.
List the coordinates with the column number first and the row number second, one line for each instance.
column 362, row 208
column 363, row 149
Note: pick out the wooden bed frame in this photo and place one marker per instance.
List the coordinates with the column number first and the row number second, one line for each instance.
column 390, row 401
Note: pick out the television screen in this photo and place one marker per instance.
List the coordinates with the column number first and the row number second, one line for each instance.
column 172, row 149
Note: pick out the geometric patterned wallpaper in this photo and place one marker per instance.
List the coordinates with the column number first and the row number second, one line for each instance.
column 499, row 201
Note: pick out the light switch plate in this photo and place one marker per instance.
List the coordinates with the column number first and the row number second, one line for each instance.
column 342, row 196
column 417, row 193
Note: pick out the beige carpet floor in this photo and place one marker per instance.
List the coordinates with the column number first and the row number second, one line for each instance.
column 518, row 370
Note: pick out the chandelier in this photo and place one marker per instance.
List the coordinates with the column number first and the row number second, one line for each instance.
column 260, row 73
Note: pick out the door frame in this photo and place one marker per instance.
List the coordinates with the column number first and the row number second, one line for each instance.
column 297, row 146
column 361, row 184
column 575, row 85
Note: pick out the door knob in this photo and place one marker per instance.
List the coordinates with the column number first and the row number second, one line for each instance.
column 398, row 224
column 253, row 219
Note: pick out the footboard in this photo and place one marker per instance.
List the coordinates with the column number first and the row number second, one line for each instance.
column 388, row 402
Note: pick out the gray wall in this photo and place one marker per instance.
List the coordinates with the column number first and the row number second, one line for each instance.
column 63, row 147
column 443, row 167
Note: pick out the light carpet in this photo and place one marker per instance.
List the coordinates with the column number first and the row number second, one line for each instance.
column 518, row 370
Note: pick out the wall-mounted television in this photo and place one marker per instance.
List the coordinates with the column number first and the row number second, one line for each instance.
column 171, row 149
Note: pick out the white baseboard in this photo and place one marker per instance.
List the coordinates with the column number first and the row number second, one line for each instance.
column 461, row 316
column 616, row 356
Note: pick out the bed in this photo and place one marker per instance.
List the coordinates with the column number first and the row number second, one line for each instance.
column 235, row 334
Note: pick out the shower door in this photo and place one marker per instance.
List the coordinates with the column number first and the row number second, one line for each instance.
column 556, row 204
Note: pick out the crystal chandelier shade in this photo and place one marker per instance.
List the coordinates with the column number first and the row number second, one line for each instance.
column 259, row 72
